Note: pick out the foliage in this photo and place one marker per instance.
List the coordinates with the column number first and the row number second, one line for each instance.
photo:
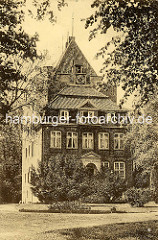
column 155, row 182
column 10, row 162
column 16, row 47
column 19, row 74
column 130, row 58
column 141, row 178
column 58, row 179
column 105, row 187
column 138, row 196
column 143, row 142
column 18, row 51
column 64, row 178
column 69, row 206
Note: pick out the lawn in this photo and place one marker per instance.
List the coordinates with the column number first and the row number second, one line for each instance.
column 128, row 231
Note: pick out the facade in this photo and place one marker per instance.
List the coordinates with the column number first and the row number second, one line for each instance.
column 77, row 126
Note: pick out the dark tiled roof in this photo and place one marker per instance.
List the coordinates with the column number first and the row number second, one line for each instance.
column 85, row 91
column 63, row 102
column 74, row 97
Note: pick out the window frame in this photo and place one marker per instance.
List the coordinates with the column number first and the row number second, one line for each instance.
column 88, row 140
column 88, row 113
column 119, row 141
column 65, row 115
column 99, row 138
column 109, row 117
column 26, row 153
column 56, row 139
column 79, row 68
column 103, row 163
column 32, row 149
column 74, row 138
column 119, row 169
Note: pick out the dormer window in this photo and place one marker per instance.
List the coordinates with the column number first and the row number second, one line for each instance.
column 87, row 113
column 64, row 114
column 78, row 68
column 111, row 117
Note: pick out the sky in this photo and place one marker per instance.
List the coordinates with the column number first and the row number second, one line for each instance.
column 52, row 37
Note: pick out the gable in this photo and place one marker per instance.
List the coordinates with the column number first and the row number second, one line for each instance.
column 88, row 104
column 72, row 57
column 91, row 155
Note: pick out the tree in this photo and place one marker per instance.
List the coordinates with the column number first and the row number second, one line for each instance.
column 64, row 178
column 10, row 164
column 105, row 187
column 22, row 82
column 143, row 141
column 58, row 179
column 18, row 49
column 16, row 46
column 133, row 62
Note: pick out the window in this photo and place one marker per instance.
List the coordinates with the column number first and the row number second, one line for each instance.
column 108, row 116
column 87, row 113
column 29, row 150
column 78, row 69
column 111, row 117
column 32, row 152
column 28, row 178
column 87, row 141
column 118, row 141
column 119, row 168
column 103, row 140
column 65, row 114
column 55, row 139
column 105, row 165
column 72, row 140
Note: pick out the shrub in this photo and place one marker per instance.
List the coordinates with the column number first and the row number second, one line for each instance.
column 64, row 178
column 69, row 206
column 138, row 196
column 96, row 198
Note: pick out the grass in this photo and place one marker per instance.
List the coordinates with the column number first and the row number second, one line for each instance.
column 123, row 231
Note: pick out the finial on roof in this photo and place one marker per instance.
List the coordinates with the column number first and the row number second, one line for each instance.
column 67, row 42
column 72, row 24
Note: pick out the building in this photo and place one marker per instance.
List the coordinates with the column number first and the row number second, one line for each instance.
column 95, row 143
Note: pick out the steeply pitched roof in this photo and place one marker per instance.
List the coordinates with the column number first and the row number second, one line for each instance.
column 67, row 49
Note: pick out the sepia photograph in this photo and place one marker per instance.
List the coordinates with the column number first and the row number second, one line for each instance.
column 79, row 119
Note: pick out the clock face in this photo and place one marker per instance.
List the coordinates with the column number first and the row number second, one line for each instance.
column 80, row 79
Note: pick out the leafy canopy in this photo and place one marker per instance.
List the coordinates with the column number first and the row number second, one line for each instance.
column 133, row 61
column 17, row 48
